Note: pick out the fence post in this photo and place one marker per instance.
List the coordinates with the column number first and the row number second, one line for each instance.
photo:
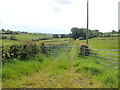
column 68, row 52
column 83, row 50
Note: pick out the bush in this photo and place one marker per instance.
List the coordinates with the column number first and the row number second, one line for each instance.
column 19, row 51
column 4, row 37
column 81, row 38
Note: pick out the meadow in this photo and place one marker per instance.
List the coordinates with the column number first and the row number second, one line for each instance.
column 64, row 69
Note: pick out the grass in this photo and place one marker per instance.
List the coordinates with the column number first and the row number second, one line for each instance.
column 61, row 72
column 17, row 69
column 21, row 38
column 25, row 37
column 10, row 42
column 53, row 73
column 104, row 74
column 103, row 43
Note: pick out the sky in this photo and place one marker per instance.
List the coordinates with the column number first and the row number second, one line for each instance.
column 58, row 16
column 119, row 15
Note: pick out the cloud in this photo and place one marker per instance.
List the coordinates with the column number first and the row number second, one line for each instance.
column 63, row 1
column 54, row 8
column 57, row 9
column 119, row 15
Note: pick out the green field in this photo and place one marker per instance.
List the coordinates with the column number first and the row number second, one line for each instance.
column 100, row 44
column 62, row 69
column 21, row 38
column 103, row 43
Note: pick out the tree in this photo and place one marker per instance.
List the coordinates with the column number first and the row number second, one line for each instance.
column 4, row 37
column 68, row 35
column 63, row 36
column 81, row 32
column 113, row 31
column 76, row 33
column 95, row 33
column 9, row 32
column 2, row 29
column 100, row 34
column 107, row 34
column 118, row 31
column 55, row 36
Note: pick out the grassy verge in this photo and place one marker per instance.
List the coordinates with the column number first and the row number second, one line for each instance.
column 17, row 69
column 103, row 74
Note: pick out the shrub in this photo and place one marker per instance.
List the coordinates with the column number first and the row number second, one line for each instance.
column 19, row 51
column 4, row 37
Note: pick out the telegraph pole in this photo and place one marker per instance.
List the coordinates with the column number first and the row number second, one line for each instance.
column 87, row 21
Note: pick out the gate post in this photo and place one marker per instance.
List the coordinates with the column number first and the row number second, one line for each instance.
column 83, row 50
column 68, row 52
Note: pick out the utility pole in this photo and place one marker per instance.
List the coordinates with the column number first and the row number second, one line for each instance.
column 87, row 21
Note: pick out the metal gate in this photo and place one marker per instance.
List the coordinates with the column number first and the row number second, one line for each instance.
column 63, row 52
column 108, row 57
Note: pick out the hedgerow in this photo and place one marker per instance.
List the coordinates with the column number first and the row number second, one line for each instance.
column 27, row 50
column 21, row 52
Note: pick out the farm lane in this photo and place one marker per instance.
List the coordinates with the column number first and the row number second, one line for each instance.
column 54, row 76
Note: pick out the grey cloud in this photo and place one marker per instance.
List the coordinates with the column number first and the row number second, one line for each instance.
column 63, row 1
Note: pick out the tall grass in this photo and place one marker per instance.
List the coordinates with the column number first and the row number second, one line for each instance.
column 103, row 74
column 18, row 69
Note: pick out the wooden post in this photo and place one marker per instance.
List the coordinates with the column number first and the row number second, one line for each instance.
column 68, row 52
column 83, row 50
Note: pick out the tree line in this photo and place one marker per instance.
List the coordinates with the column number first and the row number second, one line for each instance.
column 80, row 33
column 76, row 33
